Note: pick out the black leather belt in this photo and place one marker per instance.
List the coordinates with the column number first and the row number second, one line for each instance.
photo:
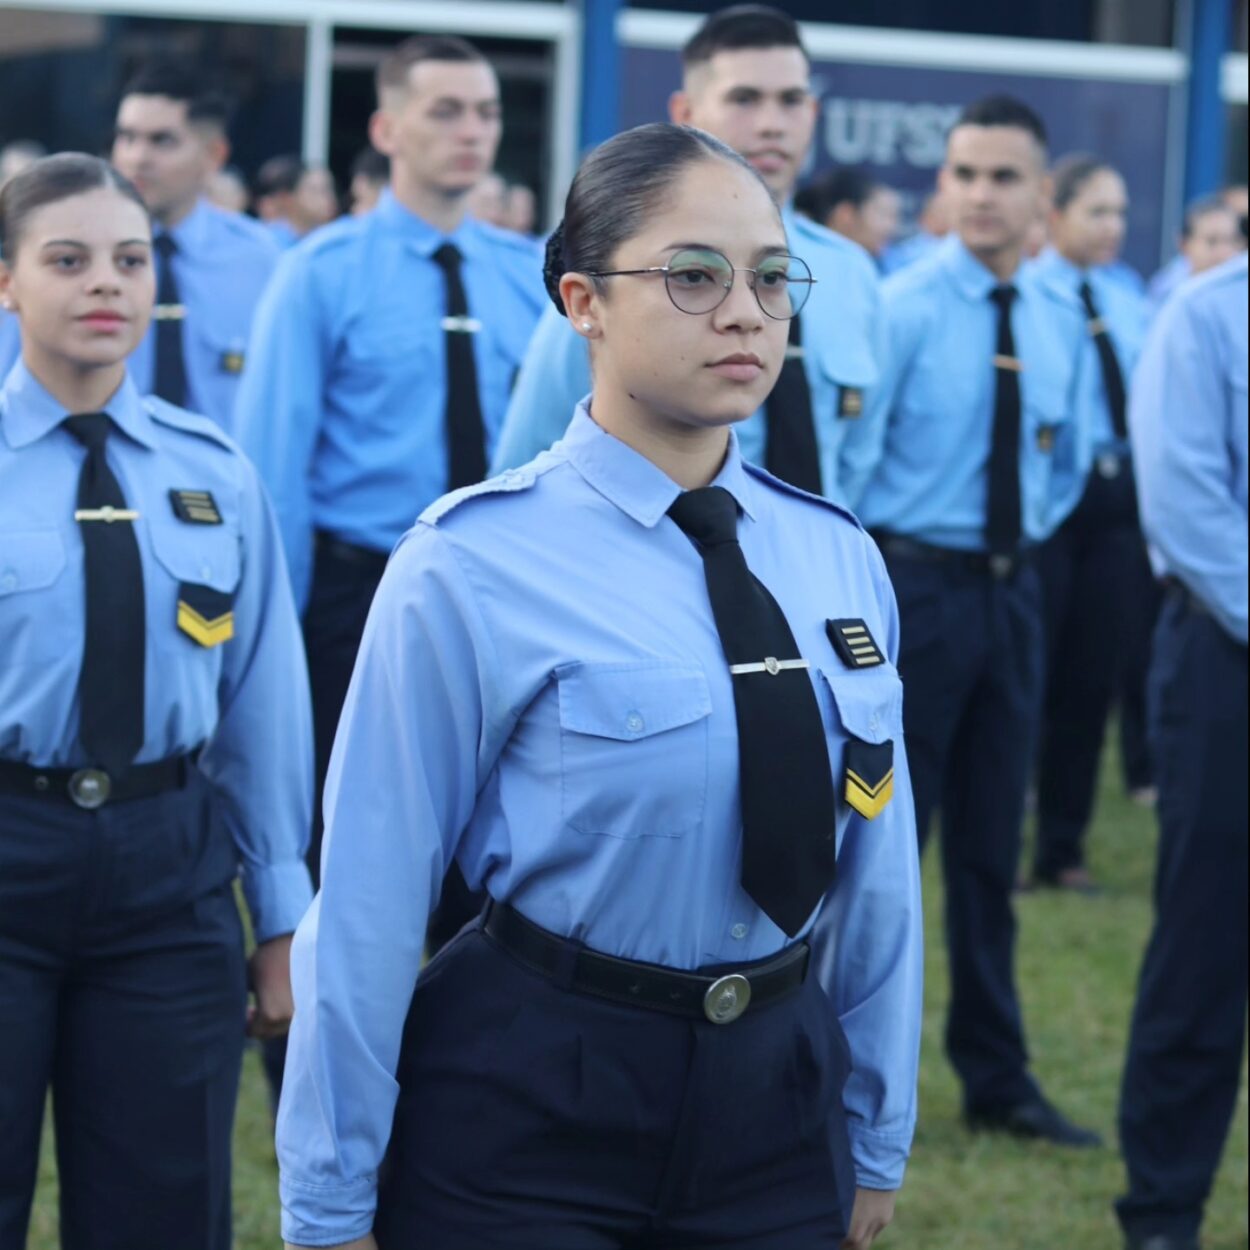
column 720, row 995
column 1000, row 567
column 90, row 788
column 350, row 553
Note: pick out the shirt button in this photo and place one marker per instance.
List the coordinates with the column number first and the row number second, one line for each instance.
column 875, row 722
column 739, row 931
column 8, row 580
column 634, row 723
column 206, row 571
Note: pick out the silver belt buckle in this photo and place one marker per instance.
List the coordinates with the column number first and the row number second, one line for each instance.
column 90, row 788
column 1001, row 566
column 727, row 998
column 1108, row 466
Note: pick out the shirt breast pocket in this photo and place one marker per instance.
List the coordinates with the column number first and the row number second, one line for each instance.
column 633, row 748
column 193, row 606
column 869, row 709
column 36, row 615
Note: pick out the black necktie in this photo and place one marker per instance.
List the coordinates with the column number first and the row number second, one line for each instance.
column 466, row 441
column 791, row 453
column 789, row 847
column 1112, row 378
column 171, row 370
column 110, row 684
column 1002, row 512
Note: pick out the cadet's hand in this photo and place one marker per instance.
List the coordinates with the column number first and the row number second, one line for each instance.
column 361, row 1243
column 874, row 1209
column 270, row 967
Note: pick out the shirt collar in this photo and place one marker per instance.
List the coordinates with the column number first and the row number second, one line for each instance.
column 422, row 237
column 973, row 279
column 190, row 233
column 29, row 411
column 627, row 479
column 1057, row 269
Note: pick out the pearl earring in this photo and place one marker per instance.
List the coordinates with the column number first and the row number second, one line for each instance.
column 587, row 326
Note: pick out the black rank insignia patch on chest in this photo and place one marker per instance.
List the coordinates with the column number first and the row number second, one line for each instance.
column 869, row 770
column 851, row 402
column 852, row 641
column 205, row 615
column 232, row 360
column 195, row 506
column 1046, row 438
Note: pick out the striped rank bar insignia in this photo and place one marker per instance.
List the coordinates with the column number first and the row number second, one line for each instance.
column 869, row 768
column 852, row 641
column 195, row 506
column 205, row 615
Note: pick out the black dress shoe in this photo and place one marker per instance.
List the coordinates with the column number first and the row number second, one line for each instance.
column 1161, row 1241
column 1035, row 1119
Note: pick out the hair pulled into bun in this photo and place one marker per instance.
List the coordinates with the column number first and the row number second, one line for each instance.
column 554, row 267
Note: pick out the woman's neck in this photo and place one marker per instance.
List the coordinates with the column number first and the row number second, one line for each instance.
column 689, row 454
column 77, row 388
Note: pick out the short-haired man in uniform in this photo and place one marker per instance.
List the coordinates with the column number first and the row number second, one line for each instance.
column 170, row 138
column 982, row 459
column 746, row 79
column 1181, row 1081
column 384, row 352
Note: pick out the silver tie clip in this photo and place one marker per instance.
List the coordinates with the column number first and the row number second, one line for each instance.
column 771, row 665
column 461, row 325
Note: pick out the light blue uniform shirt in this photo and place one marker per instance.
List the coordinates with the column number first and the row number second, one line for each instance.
column 937, row 404
column 842, row 342
column 908, row 251
column 343, row 408
column 222, row 264
column 1163, row 285
column 245, row 699
column 542, row 695
column 1188, row 424
column 1124, row 314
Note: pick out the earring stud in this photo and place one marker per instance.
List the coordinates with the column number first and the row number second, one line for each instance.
column 587, row 326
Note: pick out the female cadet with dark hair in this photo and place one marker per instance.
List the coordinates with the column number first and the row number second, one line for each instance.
column 644, row 694
column 1098, row 589
column 154, row 733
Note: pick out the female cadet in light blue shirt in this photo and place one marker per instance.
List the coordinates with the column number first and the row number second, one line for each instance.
column 573, row 684
column 1098, row 593
column 154, row 735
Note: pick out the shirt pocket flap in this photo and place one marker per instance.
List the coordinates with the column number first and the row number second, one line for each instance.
column 849, row 363
column 33, row 560
column 629, row 701
column 206, row 555
column 870, row 704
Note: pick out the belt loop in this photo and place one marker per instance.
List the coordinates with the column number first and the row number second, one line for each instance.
column 565, row 974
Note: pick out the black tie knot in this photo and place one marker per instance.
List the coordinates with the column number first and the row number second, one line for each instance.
column 165, row 245
column 91, row 429
column 1003, row 296
column 448, row 258
column 708, row 515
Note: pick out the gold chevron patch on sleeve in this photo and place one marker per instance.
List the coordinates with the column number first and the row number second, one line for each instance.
column 869, row 776
column 869, row 801
column 205, row 615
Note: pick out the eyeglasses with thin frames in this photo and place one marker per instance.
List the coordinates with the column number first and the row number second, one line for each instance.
column 699, row 280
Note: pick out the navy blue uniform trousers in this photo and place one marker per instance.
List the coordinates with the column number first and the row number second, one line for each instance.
column 1097, row 589
column 533, row 1116
column 1185, row 1048
column 971, row 658
column 123, row 987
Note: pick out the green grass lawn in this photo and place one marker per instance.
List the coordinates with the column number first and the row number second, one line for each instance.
column 1078, row 966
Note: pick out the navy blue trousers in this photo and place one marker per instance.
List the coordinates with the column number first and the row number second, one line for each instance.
column 1097, row 590
column 530, row 1115
column 123, row 987
column 971, row 658
column 1185, row 1048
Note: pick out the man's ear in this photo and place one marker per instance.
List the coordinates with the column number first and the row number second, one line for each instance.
column 680, row 108
column 382, row 132
column 217, row 148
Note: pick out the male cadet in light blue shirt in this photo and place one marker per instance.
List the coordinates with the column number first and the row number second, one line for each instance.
column 982, row 458
column 1188, row 423
column 746, row 80
column 384, row 353
column 211, row 265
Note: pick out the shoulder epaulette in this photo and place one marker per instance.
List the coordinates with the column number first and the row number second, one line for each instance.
column 508, row 482
column 798, row 492
column 164, row 413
